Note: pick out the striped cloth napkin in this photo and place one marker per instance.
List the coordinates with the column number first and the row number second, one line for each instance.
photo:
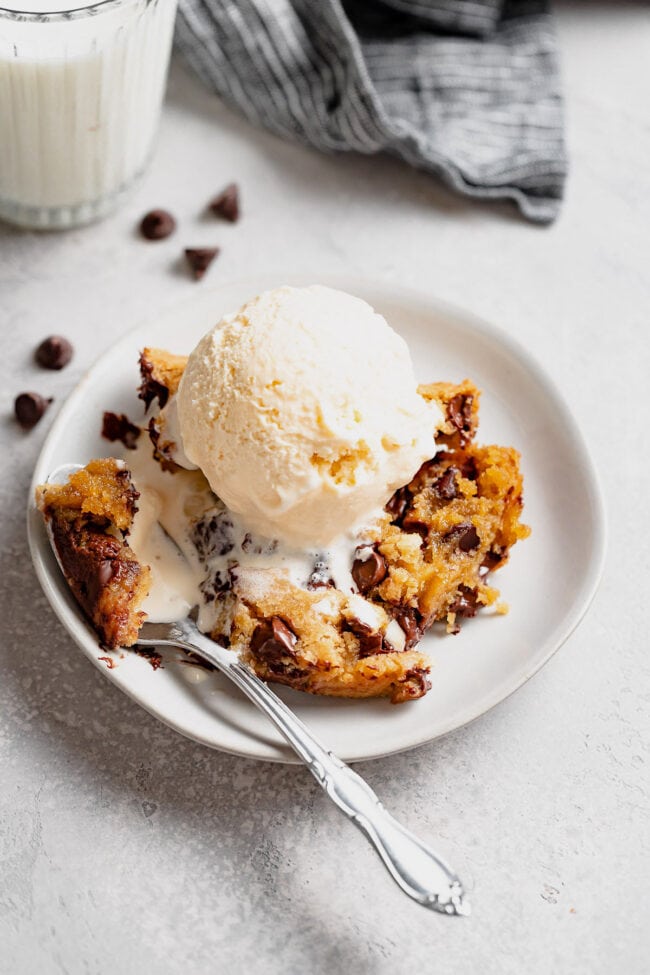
column 467, row 89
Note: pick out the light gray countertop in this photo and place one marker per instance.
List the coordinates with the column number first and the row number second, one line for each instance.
column 125, row 848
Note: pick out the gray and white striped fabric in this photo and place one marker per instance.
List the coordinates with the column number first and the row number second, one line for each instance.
column 467, row 89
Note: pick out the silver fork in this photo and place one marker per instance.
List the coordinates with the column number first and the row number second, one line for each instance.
column 414, row 866
column 419, row 872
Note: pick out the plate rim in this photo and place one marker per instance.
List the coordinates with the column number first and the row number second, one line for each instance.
column 396, row 293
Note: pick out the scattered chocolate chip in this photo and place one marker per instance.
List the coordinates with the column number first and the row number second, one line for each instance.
column 398, row 504
column 459, row 414
column 110, row 662
column 200, row 259
column 408, row 620
column 466, row 602
column 273, row 640
column 371, row 643
column 105, row 572
column 465, row 536
column 412, row 524
column 29, row 408
column 117, row 426
column 446, row 487
column 226, row 204
column 157, row 224
column 54, row 352
column 369, row 572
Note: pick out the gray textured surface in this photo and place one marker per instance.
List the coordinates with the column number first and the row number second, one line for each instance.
column 125, row 848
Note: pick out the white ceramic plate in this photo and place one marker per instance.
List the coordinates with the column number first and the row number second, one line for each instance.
column 549, row 582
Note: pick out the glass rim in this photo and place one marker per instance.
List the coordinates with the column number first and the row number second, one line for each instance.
column 70, row 13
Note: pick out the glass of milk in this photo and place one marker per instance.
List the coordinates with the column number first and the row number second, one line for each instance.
column 80, row 97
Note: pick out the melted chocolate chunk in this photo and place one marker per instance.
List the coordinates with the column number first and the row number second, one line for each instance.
column 54, row 352
column 459, row 414
column 369, row 572
column 412, row 524
column 469, row 470
column 117, row 426
column 371, row 643
column 398, row 504
column 408, row 619
column 492, row 559
column 157, row 224
column 446, row 487
column 272, row 641
column 29, row 408
column 465, row 537
column 466, row 602
column 200, row 259
column 226, row 204
column 430, row 467
column 150, row 389
column 419, row 680
column 105, row 572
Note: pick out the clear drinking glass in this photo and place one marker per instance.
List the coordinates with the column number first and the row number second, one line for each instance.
column 80, row 97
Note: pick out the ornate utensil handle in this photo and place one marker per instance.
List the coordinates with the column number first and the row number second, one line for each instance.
column 414, row 866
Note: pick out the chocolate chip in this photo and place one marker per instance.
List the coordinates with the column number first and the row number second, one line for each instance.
column 369, row 572
column 469, row 470
column 492, row 559
column 117, row 426
column 105, row 572
column 430, row 467
column 465, row 536
column 54, row 352
column 459, row 414
column 371, row 643
column 157, row 224
column 273, row 640
column 226, row 204
column 29, row 408
column 413, row 524
column 150, row 389
column 466, row 602
column 446, row 487
column 407, row 619
column 200, row 259
column 398, row 504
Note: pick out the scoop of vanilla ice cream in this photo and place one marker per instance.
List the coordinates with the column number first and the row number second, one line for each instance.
column 303, row 413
